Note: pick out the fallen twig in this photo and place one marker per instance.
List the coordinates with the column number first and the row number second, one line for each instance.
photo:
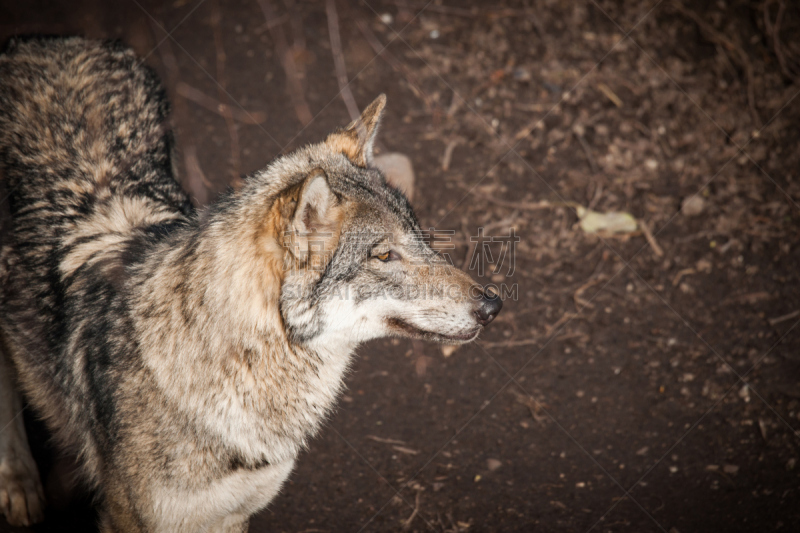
column 533, row 406
column 680, row 275
column 751, row 298
column 456, row 103
column 212, row 104
column 588, row 151
column 528, row 206
column 651, row 240
column 489, row 13
column 448, row 153
column 407, row 451
column 598, row 194
column 774, row 31
column 611, row 95
column 507, row 344
column 407, row 522
column 580, row 303
column 566, row 317
column 385, row 441
column 528, row 128
column 784, row 318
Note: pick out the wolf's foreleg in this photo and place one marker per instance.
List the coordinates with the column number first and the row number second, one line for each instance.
column 21, row 494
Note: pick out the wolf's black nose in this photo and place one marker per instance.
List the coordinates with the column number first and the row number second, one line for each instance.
column 488, row 307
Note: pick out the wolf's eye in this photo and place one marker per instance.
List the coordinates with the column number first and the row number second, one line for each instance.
column 388, row 255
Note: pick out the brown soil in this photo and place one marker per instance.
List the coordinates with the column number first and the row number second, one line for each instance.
column 631, row 386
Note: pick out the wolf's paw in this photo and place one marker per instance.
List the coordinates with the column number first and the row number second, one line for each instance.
column 21, row 494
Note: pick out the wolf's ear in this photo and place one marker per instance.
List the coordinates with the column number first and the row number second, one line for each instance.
column 357, row 139
column 315, row 207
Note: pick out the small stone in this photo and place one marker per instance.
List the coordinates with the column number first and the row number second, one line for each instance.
column 448, row 349
column 643, row 450
column 730, row 469
column 744, row 393
column 693, row 205
column 522, row 74
column 704, row 265
column 493, row 464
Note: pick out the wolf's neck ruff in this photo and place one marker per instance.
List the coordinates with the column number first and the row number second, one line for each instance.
column 224, row 276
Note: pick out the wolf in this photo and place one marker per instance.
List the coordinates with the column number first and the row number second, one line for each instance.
column 187, row 356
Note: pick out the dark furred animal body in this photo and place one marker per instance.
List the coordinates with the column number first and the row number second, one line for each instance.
column 186, row 357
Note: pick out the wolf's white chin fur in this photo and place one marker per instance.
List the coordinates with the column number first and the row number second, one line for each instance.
column 349, row 324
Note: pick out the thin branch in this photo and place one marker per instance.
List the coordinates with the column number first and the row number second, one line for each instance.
column 717, row 37
column 407, row 523
column 212, row 104
column 195, row 180
column 294, row 85
column 338, row 60
column 225, row 109
column 651, row 240
column 395, row 63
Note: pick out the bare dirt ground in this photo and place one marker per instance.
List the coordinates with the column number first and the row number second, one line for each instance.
column 645, row 382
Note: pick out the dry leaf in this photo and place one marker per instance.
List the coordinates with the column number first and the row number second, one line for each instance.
column 611, row 222
column 448, row 349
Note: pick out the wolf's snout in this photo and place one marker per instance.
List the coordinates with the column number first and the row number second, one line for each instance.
column 488, row 307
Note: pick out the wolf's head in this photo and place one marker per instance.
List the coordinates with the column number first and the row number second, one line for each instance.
column 355, row 262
